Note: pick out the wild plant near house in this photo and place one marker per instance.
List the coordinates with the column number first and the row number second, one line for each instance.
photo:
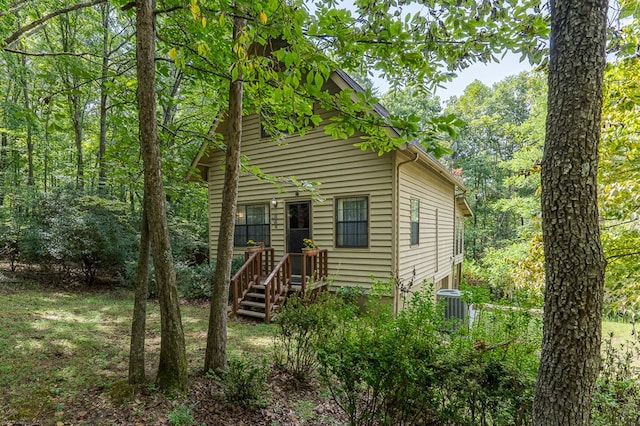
column 301, row 327
column 616, row 401
column 404, row 369
column 244, row 382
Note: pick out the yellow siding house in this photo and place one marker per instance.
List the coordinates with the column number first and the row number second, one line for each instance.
column 398, row 214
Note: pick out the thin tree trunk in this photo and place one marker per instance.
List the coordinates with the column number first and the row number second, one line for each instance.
column 102, row 146
column 574, row 261
column 216, row 351
column 27, row 107
column 45, row 160
column 4, row 142
column 172, row 369
column 169, row 110
column 138, row 325
column 77, row 119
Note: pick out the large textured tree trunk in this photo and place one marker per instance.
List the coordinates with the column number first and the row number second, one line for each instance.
column 138, row 325
column 574, row 261
column 216, row 351
column 172, row 370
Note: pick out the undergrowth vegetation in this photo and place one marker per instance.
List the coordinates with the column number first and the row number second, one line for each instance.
column 415, row 368
column 411, row 368
column 378, row 368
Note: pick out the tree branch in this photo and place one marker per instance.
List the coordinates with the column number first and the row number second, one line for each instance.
column 17, row 34
column 615, row 256
column 21, row 52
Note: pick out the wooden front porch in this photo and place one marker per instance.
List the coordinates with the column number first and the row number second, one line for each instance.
column 261, row 286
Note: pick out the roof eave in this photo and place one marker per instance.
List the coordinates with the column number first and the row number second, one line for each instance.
column 434, row 164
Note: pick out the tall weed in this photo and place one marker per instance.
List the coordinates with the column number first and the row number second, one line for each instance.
column 616, row 401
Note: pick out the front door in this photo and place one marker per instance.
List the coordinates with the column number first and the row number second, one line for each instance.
column 298, row 228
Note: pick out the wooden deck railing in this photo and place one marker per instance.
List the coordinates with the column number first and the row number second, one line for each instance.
column 277, row 284
column 257, row 264
column 277, row 278
column 315, row 267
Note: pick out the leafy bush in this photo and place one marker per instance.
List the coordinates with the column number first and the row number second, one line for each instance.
column 244, row 381
column 194, row 281
column 189, row 241
column 616, row 400
column 487, row 376
column 302, row 326
column 65, row 231
column 379, row 368
column 182, row 415
column 403, row 369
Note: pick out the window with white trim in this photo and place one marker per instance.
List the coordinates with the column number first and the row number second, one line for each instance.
column 352, row 222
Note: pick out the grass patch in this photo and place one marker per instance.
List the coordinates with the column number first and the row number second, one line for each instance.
column 55, row 345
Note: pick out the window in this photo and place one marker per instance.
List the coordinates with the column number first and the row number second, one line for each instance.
column 352, row 222
column 252, row 223
column 459, row 235
column 415, row 222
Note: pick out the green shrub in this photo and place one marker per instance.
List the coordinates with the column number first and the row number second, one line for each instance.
column 194, row 281
column 487, row 375
column 379, row 368
column 402, row 369
column 189, row 241
column 301, row 326
column 182, row 415
column 244, row 382
column 67, row 231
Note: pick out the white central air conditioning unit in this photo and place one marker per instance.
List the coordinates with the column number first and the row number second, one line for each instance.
column 454, row 306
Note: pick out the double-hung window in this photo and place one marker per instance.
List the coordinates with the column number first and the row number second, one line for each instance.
column 252, row 223
column 352, row 222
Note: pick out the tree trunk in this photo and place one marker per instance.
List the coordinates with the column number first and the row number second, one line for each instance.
column 102, row 145
column 574, row 261
column 172, row 370
column 77, row 117
column 138, row 325
column 216, row 351
column 27, row 106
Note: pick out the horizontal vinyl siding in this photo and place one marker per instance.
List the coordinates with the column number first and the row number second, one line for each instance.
column 431, row 264
column 343, row 170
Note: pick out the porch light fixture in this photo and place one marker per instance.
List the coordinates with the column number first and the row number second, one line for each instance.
column 274, row 202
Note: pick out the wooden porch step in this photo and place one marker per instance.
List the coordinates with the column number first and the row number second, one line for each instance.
column 256, row 295
column 252, row 304
column 249, row 313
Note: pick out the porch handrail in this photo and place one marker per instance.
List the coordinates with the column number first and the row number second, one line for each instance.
column 256, row 265
column 277, row 284
column 318, row 265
